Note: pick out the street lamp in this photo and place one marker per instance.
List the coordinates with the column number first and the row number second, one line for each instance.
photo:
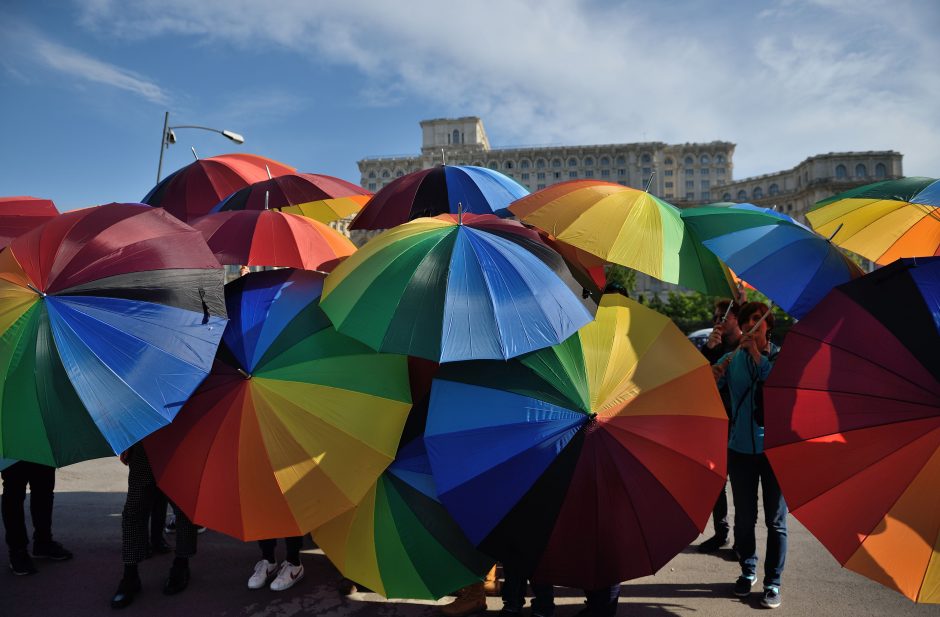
column 169, row 137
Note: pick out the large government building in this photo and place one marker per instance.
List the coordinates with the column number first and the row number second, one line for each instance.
column 686, row 174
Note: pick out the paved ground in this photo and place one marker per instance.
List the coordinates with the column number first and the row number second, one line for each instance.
column 90, row 496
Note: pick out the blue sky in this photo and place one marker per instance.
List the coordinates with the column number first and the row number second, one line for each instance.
column 319, row 85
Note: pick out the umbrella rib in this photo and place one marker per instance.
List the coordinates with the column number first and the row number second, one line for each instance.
column 661, row 445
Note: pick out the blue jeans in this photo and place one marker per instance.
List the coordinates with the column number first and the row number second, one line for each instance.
column 601, row 602
column 747, row 471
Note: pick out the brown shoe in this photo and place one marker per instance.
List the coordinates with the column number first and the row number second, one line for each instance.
column 492, row 585
column 469, row 601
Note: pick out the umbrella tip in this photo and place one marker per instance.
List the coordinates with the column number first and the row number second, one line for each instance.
column 244, row 373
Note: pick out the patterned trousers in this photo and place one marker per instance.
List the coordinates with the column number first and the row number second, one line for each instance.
column 141, row 492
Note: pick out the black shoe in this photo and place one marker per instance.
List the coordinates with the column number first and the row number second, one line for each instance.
column 712, row 544
column 742, row 586
column 21, row 564
column 127, row 589
column 51, row 550
column 177, row 581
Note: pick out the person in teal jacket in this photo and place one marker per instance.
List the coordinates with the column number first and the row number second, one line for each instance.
column 743, row 373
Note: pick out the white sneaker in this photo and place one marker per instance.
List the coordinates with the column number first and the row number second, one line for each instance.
column 287, row 577
column 264, row 570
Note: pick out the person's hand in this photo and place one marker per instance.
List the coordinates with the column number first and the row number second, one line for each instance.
column 123, row 456
column 714, row 339
column 718, row 370
column 754, row 343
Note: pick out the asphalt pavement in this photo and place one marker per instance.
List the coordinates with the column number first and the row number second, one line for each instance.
column 87, row 520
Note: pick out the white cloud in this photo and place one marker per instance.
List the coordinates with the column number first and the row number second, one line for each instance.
column 784, row 82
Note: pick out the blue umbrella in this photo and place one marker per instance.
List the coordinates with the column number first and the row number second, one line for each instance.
column 788, row 262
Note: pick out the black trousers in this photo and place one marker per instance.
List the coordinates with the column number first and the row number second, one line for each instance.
column 293, row 544
column 141, row 493
column 41, row 481
column 720, row 513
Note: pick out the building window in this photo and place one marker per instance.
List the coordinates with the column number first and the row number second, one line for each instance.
column 773, row 190
column 371, row 174
column 524, row 164
column 789, row 207
column 705, row 184
column 572, row 174
column 372, row 186
column 540, row 163
column 589, row 173
column 689, row 160
column 726, row 197
column 668, row 172
column 668, row 185
column 704, row 171
column 556, row 175
column 669, row 196
column 689, row 196
column 525, row 175
column 860, row 171
column 758, row 193
column 507, row 165
column 385, row 174
column 540, row 187
column 540, row 175
column 399, row 173
column 572, row 162
column 621, row 172
column 704, row 159
column 880, row 170
column 690, row 184
column 706, row 195
column 556, row 162
column 605, row 173
column 588, row 162
column 668, row 160
column 456, row 136
column 742, row 195
column 493, row 165
column 605, row 161
column 719, row 158
column 840, row 171
column 720, row 171
column 689, row 171
column 646, row 158
column 621, row 160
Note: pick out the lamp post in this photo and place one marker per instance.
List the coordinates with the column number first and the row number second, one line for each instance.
column 169, row 137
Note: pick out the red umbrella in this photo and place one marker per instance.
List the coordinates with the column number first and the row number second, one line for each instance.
column 192, row 191
column 21, row 214
column 271, row 238
column 322, row 198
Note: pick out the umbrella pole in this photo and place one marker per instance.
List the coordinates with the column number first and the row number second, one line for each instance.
column 650, row 181
column 829, row 239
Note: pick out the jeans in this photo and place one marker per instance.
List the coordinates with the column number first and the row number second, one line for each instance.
column 720, row 513
column 601, row 602
column 747, row 471
column 41, row 481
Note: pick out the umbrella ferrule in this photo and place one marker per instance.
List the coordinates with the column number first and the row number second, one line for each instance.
column 41, row 293
column 244, row 373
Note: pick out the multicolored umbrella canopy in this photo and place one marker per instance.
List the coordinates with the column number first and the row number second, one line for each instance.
column 446, row 290
column 788, row 262
column 192, row 191
column 589, row 463
column 21, row 214
column 109, row 319
column 625, row 226
column 294, row 424
column 439, row 190
column 853, row 425
column 316, row 196
column 271, row 238
column 400, row 541
column 883, row 221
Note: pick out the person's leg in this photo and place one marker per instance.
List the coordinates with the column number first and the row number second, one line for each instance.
column 514, row 588
column 602, row 602
column 543, row 602
column 720, row 523
column 157, row 523
column 294, row 544
column 41, row 488
column 267, row 549
column 775, row 517
column 744, row 474
column 186, row 539
column 266, row 568
column 134, row 533
column 15, row 479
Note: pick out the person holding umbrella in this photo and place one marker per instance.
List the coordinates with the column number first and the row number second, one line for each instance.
column 744, row 372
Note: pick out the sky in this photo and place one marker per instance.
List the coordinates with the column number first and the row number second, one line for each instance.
column 84, row 85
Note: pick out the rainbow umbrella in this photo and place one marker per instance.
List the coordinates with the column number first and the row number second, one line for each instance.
column 192, row 191
column 400, row 541
column 447, row 289
column 788, row 262
column 110, row 317
column 628, row 227
column 271, row 238
column 588, row 463
column 316, row 196
column 883, row 221
column 853, row 425
column 439, row 190
column 21, row 214
column 294, row 424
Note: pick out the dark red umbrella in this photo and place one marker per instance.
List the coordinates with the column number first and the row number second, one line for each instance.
column 21, row 214
column 439, row 190
column 322, row 198
column 272, row 238
column 192, row 191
